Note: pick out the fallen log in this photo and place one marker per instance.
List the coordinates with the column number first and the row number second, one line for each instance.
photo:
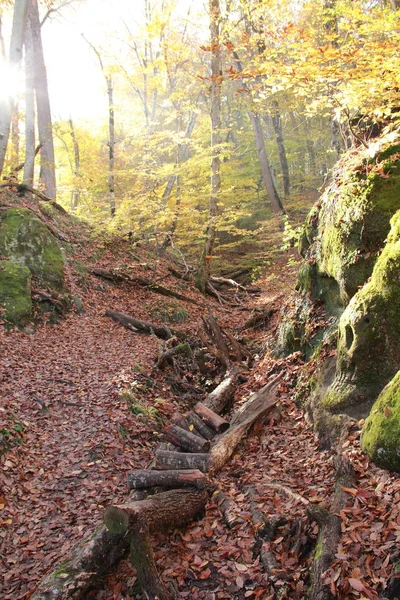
column 163, row 511
column 186, row 439
column 165, row 460
column 116, row 275
column 210, row 418
column 167, row 356
column 91, row 559
column 199, row 425
column 228, row 508
column 138, row 326
column 259, row 319
column 220, row 398
column 256, row 409
column 174, row 479
column 329, row 523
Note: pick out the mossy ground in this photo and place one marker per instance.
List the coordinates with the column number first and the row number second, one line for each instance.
column 381, row 432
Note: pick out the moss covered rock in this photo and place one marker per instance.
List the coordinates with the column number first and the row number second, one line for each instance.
column 381, row 432
column 369, row 335
column 25, row 240
column 15, row 292
column 347, row 228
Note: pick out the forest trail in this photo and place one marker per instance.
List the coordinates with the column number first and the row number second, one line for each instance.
column 79, row 445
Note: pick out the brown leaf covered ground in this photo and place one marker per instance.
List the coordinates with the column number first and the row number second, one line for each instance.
column 66, row 403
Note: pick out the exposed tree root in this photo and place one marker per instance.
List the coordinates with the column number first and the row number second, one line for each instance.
column 138, row 326
column 329, row 531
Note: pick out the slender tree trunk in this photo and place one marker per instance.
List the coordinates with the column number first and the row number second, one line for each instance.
column 266, row 172
column 277, row 124
column 30, row 140
column 203, row 273
column 47, row 174
column 14, row 155
column 77, row 164
column 17, row 39
column 111, row 143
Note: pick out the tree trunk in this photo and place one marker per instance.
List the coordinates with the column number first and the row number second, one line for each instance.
column 17, row 39
column 30, row 140
column 276, row 122
column 211, row 418
column 203, row 272
column 167, row 510
column 111, row 143
column 255, row 409
column 47, row 174
column 138, row 326
column 77, row 164
column 174, row 479
column 167, row 460
column 266, row 172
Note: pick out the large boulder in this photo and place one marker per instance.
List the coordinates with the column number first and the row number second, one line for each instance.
column 15, row 293
column 26, row 241
column 381, row 431
column 369, row 336
column 348, row 226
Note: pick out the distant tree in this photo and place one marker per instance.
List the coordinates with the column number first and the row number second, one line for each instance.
column 203, row 273
column 14, row 59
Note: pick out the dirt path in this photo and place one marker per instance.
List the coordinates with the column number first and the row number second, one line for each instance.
column 76, row 450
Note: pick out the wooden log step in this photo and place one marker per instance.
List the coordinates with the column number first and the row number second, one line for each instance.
column 200, row 427
column 186, row 439
column 165, row 460
column 172, row 479
column 211, row 418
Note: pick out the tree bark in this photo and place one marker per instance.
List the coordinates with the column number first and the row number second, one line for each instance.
column 162, row 511
column 266, row 172
column 30, row 140
column 204, row 270
column 174, row 479
column 21, row 8
column 255, row 409
column 166, row 460
column 330, row 531
column 92, row 558
column 47, row 173
column 186, row 440
column 211, row 418
column 222, row 396
column 111, row 143
column 77, row 163
column 199, row 425
column 277, row 124
column 138, row 326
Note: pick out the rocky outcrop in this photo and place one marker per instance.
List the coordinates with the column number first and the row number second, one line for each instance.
column 381, row 431
column 32, row 257
column 369, row 335
column 15, row 292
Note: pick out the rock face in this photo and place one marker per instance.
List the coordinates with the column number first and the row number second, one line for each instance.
column 15, row 292
column 381, row 432
column 32, row 254
column 349, row 225
column 25, row 240
column 369, row 335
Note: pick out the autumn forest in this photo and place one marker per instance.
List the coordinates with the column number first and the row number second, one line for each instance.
column 199, row 299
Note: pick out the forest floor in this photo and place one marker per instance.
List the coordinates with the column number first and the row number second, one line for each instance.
column 82, row 403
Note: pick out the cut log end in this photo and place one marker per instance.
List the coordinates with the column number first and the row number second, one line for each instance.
column 116, row 520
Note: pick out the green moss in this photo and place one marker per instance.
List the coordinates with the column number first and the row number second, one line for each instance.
column 309, row 231
column 15, row 292
column 381, row 432
column 369, row 334
column 354, row 219
column 25, row 240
